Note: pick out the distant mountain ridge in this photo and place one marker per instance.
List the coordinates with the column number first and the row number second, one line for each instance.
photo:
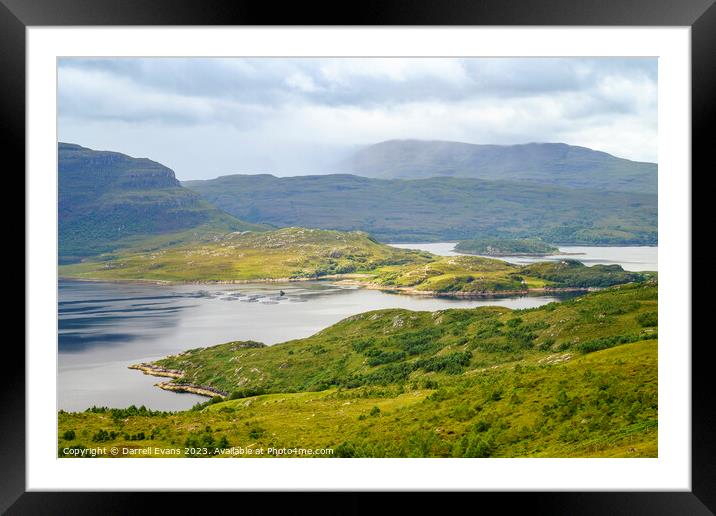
column 553, row 163
column 108, row 199
column 437, row 209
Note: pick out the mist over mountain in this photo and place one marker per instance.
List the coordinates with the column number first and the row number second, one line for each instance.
column 550, row 163
column 107, row 198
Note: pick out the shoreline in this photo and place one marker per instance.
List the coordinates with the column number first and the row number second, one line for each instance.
column 201, row 390
column 345, row 280
column 494, row 293
column 154, row 370
column 516, row 255
column 211, row 282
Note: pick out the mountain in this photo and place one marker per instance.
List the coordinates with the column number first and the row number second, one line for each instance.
column 545, row 163
column 108, row 200
column 437, row 209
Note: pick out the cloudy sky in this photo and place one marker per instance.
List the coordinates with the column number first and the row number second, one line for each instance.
column 210, row 117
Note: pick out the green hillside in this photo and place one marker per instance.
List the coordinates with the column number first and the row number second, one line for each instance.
column 109, row 200
column 577, row 378
column 544, row 163
column 437, row 209
column 299, row 253
column 290, row 253
column 465, row 275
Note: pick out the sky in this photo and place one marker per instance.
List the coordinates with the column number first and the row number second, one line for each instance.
column 207, row 117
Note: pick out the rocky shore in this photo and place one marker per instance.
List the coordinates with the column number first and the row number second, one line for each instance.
column 433, row 293
column 155, row 370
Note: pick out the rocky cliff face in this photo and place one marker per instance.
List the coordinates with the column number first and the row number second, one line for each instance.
column 85, row 169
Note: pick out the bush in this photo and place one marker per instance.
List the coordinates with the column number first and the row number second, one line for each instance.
column 247, row 392
column 104, row 435
column 609, row 342
column 256, row 432
column 453, row 363
column 69, row 435
column 385, row 357
column 648, row 319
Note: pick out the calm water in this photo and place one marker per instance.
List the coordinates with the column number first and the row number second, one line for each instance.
column 104, row 327
column 630, row 258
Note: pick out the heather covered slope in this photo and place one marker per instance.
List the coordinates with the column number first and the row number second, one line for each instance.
column 109, row 200
column 544, row 163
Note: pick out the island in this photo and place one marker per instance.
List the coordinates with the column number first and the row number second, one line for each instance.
column 506, row 247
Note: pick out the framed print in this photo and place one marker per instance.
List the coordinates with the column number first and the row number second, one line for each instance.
column 421, row 250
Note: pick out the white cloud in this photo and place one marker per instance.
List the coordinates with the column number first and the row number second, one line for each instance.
column 206, row 117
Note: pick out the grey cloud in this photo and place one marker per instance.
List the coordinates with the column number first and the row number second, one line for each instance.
column 243, row 109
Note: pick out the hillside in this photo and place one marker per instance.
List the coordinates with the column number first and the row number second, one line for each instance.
column 473, row 275
column 577, row 378
column 300, row 253
column 290, row 253
column 438, row 209
column 109, row 200
column 545, row 163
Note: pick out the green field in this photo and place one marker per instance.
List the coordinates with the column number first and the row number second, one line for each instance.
column 570, row 379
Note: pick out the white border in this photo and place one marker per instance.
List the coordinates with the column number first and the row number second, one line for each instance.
column 670, row 471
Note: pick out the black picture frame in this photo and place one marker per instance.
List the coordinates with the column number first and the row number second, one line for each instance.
column 17, row 15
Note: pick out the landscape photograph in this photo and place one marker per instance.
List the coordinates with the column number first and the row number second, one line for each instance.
column 357, row 257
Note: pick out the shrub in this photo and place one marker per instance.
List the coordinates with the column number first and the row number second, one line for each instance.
column 104, row 435
column 385, row 357
column 648, row 319
column 453, row 363
column 256, row 432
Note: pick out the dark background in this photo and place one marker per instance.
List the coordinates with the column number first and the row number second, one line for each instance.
column 16, row 15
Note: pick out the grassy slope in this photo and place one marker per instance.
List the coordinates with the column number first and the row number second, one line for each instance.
column 284, row 253
column 474, row 274
column 567, row 379
column 309, row 253
column 437, row 209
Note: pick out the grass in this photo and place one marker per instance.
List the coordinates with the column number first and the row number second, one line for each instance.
column 299, row 253
column 473, row 274
column 484, row 382
column 293, row 253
